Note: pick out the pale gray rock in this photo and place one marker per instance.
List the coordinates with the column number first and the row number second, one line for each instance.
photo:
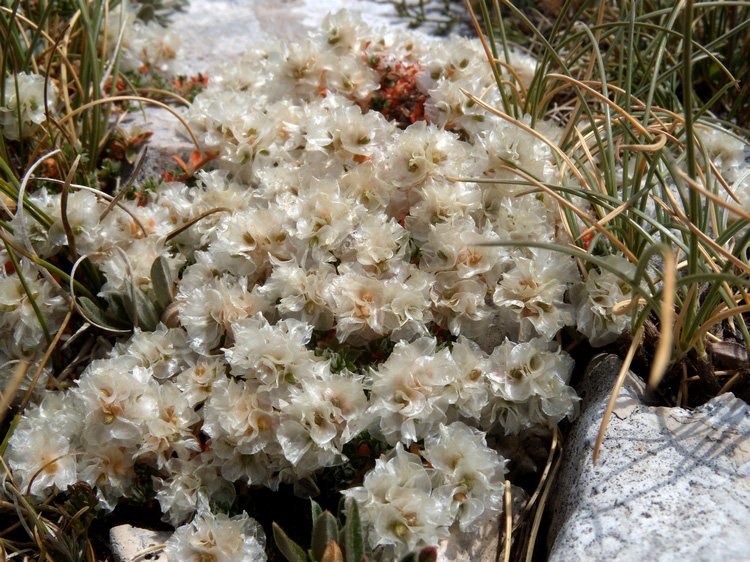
column 669, row 484
column 131, row 544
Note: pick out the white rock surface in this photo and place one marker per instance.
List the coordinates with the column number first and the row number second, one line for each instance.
column 128, row 544
column 669, row 484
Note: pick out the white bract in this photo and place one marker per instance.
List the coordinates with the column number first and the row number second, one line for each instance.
column 22, row 109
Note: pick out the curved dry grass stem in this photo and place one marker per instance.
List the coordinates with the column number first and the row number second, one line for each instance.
column 142, row 99
column 542, row 480
column 663, row 352
column 50, row 463
column 540, row 508
column 64, row 209
column 20, row 209
column 601, row 97
column 533, row 133
column 715, row 319
column 105, row 196
column 676, row 211
column 512, row 72
column 656, row 146
column 637, row 339
column 75, row 302
column 191, row 222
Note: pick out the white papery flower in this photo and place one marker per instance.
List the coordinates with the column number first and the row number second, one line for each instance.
column 452, row 60
column 21, row 334
column 357, row 302
column 116, row 396
column 22, row 110
column 349, row 75
column 361, row 185
column 396, row 503
column 190, row 485
column 108, row 466
column 208, row 310
column 459, row 304
column 443, row 202
column 458, row 247
column 40, row 456
column 219, row 538
column 423, row 151
column 244, row 242
column 82, row 212
column 412, row 390
column 141, row 254
column 449, row 107
column 506, row 143
column 529, row 385
column 470, row 477
column 240, row 416
column 271, row 355
column 323, row 217
column 300, row 293
column 343, row 32
column 597, row 299
column 531, row 296
column 172, row 430
column 471, row 384
column 524, row 218
column 319, row 419
column 165, row 350
column 375, row 240
column 141, row 44
column 197, row 382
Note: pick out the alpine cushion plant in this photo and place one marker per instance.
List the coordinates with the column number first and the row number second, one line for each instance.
column 368, row 223
column 326, row 280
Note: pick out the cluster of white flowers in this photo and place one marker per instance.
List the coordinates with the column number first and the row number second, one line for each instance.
column 141, row 44
column 22, row 107
column 338, row 223
column 409, row 505
column 219, row 538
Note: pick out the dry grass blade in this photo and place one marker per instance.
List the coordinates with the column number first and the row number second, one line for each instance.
column 545, row 473
column 115, row 99
column 532, row 132
column 50, row 348
column 616, row 390
column 115, row 200
column 715, row 319
column 666, row 328
column 184, row 227
column 508, row 500
column 141, row 553
column 64, row 208
column 9, row 392
column 564, row 202
column 540, row 509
